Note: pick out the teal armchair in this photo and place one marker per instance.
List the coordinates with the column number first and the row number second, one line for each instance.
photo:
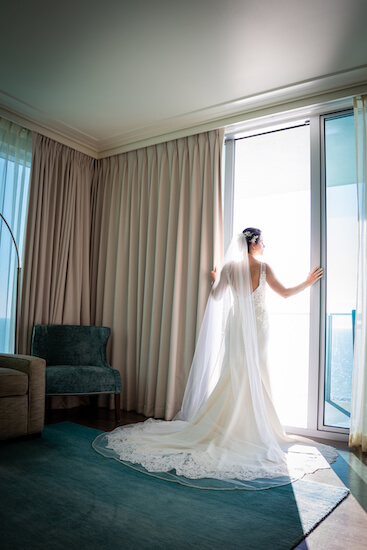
column 76, row 361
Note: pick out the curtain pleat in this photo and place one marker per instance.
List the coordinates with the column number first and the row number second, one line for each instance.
column 56, row 286
column 156, row 234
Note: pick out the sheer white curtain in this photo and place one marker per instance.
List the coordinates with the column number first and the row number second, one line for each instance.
column 157, row 232
column 15, row 162
column 358, row 428
column 56, row 261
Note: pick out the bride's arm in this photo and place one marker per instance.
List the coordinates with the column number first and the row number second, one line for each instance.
column 219, row 288
column 285, row 292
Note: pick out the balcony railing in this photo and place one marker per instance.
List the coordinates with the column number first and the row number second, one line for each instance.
column 339, row 366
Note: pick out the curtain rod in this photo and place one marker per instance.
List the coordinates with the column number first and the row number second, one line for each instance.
column 306, row 123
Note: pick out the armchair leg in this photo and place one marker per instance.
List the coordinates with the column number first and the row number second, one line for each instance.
column 117, row 407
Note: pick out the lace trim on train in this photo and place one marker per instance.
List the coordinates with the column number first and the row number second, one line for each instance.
column 300, row 460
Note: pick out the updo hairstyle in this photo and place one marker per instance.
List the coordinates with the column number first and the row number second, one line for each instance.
column 252, row 235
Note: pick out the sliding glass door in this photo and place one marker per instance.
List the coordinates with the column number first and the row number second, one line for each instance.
column 272, row 192
column 340, row 252
column 297, row 183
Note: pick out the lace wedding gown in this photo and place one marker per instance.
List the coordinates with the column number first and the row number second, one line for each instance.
column 227, row 434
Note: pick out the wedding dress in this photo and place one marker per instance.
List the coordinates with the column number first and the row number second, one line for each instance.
column 227, row 433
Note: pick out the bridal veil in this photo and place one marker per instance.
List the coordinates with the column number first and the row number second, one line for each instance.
column 227, row 434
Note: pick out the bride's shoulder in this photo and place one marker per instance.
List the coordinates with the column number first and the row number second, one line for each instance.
column 267, row 269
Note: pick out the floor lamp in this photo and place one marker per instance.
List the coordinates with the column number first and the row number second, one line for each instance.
column 18, row 286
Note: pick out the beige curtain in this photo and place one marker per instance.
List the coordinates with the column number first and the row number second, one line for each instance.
column 56, row 257
column 156, row 234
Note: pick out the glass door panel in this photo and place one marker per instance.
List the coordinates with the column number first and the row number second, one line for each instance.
column 341, row 268
column 272, row 192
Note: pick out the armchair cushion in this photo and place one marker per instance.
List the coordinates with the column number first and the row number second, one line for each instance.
column 82, row 379
column 13, row 382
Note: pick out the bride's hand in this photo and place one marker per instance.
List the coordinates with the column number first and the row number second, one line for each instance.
column 214, row 274
column 314, row 276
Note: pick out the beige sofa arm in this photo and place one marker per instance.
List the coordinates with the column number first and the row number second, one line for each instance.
column 24, row 363
column 35, row 367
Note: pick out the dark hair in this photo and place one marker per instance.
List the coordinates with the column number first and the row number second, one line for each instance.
column 249, row 233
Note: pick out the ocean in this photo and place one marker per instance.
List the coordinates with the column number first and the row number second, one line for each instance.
column 4, row 337
column 341, row 364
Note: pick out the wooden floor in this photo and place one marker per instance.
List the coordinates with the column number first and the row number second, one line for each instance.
column 344, row 529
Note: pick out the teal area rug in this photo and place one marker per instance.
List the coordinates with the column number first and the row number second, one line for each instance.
column 58, row 493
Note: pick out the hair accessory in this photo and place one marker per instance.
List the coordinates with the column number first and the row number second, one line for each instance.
column 253, row 239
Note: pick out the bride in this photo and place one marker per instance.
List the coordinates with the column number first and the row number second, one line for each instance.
column 227, row 433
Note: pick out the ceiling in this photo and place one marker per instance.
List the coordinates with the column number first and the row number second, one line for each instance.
column 106, row 76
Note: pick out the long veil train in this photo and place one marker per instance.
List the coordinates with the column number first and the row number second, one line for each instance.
column 227, row 434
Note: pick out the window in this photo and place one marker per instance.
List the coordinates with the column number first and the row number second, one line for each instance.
column 341, row 237
column 274, row 181
column 15, row 160
column 272, row 192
